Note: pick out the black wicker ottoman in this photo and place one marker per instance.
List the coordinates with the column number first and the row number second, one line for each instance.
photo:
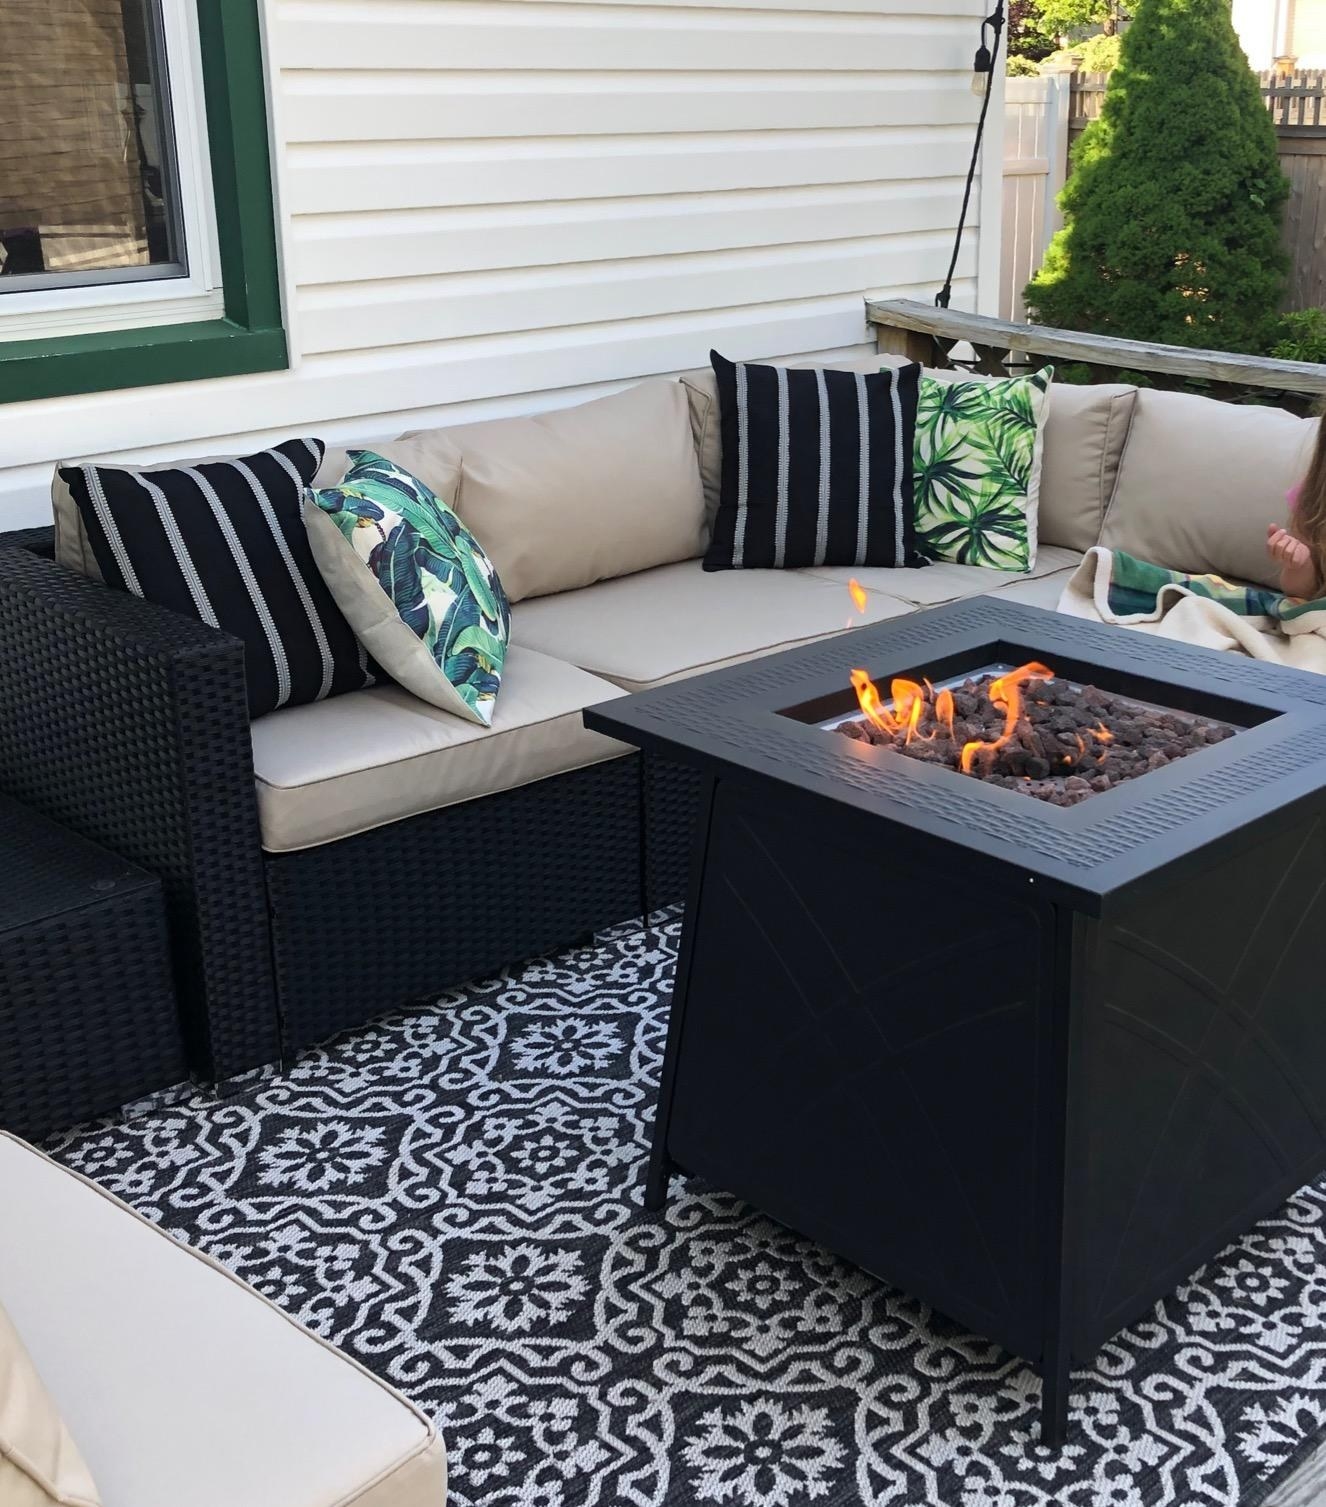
column 87, row 1010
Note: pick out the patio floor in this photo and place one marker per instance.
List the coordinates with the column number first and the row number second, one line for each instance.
column 452, row 1196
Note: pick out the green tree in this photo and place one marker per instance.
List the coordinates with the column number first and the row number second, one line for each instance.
column 1172, row 213
column 1027, row 38
column 1035, row 27
column 1063, row 16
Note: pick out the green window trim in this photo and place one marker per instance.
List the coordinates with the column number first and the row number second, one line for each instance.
column 250, row 337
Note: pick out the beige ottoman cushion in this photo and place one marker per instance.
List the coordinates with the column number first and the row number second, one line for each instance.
column 1200, row 480
column 663, row 624
column 353, row 762
column 40, row 1465
column 183, row 1387
column 576, row 495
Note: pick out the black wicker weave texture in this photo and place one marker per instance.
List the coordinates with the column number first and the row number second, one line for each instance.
column 87, row 1010
column 672, row 810
column 422, row 905
column 38, row 541
column 127, row 723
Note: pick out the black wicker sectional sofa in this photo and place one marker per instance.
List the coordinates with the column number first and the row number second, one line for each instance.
column 307, row 895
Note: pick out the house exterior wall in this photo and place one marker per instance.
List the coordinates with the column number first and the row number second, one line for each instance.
column 1270, row 29
column 1309, row 34
column 490, row 206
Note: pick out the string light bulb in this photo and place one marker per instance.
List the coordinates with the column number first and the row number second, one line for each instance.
column 982, row 68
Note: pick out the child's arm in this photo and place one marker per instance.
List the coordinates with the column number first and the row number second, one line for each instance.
column 1298, row 570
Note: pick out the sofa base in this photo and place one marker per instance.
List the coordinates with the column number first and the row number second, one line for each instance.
column 673, row 797
column 365, row 924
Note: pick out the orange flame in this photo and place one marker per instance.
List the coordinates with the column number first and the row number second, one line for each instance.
column 910, row 700
column 858, row 594
column 1102, row 733
column 1005, row 692
column 867, row 695
column 908, row 703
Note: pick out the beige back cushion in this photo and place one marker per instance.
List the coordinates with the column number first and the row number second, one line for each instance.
column 1083, row 441
column 577, row 495
column 1200, row 480
column 40, row 1465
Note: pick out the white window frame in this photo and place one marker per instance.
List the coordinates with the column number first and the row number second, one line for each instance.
column 123, row 303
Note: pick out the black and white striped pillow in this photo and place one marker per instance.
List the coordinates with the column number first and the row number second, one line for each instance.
column 224, row 541
column 817, row 467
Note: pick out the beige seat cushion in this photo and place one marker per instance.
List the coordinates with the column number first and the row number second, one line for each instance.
column 945, row 582
column 183, row 1387
column 358, row 761
column 1200, row 480
column 40, row 1465
column 663, row 624
column 1041, row 591
column 577, row 495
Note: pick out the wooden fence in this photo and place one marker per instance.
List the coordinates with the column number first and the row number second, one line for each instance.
column 1295, row 99
column 1044, row 118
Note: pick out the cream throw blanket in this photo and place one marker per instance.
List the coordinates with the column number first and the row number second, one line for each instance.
column 1110, row 586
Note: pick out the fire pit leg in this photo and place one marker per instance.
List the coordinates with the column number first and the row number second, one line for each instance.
column 661, row 1165
column 1054, row 1406
column 656, row 1179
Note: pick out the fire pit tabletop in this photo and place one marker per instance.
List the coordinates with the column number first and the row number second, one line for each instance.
column 763, row 720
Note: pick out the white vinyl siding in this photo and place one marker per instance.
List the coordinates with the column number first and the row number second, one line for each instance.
column 498, row 205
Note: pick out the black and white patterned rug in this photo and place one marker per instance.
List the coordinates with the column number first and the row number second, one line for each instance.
column 452, row 1196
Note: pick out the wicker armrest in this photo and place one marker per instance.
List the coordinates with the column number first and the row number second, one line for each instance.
column 40, row 541
column 128, row 722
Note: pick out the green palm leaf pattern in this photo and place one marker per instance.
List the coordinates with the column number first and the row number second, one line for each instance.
column 435, row 573
column 975, row 465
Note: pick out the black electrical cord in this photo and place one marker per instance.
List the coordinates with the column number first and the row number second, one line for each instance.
column 995, row 22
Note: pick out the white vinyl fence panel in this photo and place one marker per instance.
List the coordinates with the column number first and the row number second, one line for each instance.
column 1035, row 161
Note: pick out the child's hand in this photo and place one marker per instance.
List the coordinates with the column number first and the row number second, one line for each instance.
column 1284, row 549
column 1298, row 570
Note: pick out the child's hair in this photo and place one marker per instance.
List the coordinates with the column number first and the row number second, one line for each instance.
column 1310, row 510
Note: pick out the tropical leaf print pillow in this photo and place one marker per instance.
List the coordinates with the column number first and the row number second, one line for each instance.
column 977, row 469
column 414, row 584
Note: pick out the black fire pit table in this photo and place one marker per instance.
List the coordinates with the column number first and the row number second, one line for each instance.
column 1031, row 1064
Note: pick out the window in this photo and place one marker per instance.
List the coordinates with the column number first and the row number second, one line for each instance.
column 137, row 241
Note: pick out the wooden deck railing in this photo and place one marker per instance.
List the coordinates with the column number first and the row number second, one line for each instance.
column 926, row 334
